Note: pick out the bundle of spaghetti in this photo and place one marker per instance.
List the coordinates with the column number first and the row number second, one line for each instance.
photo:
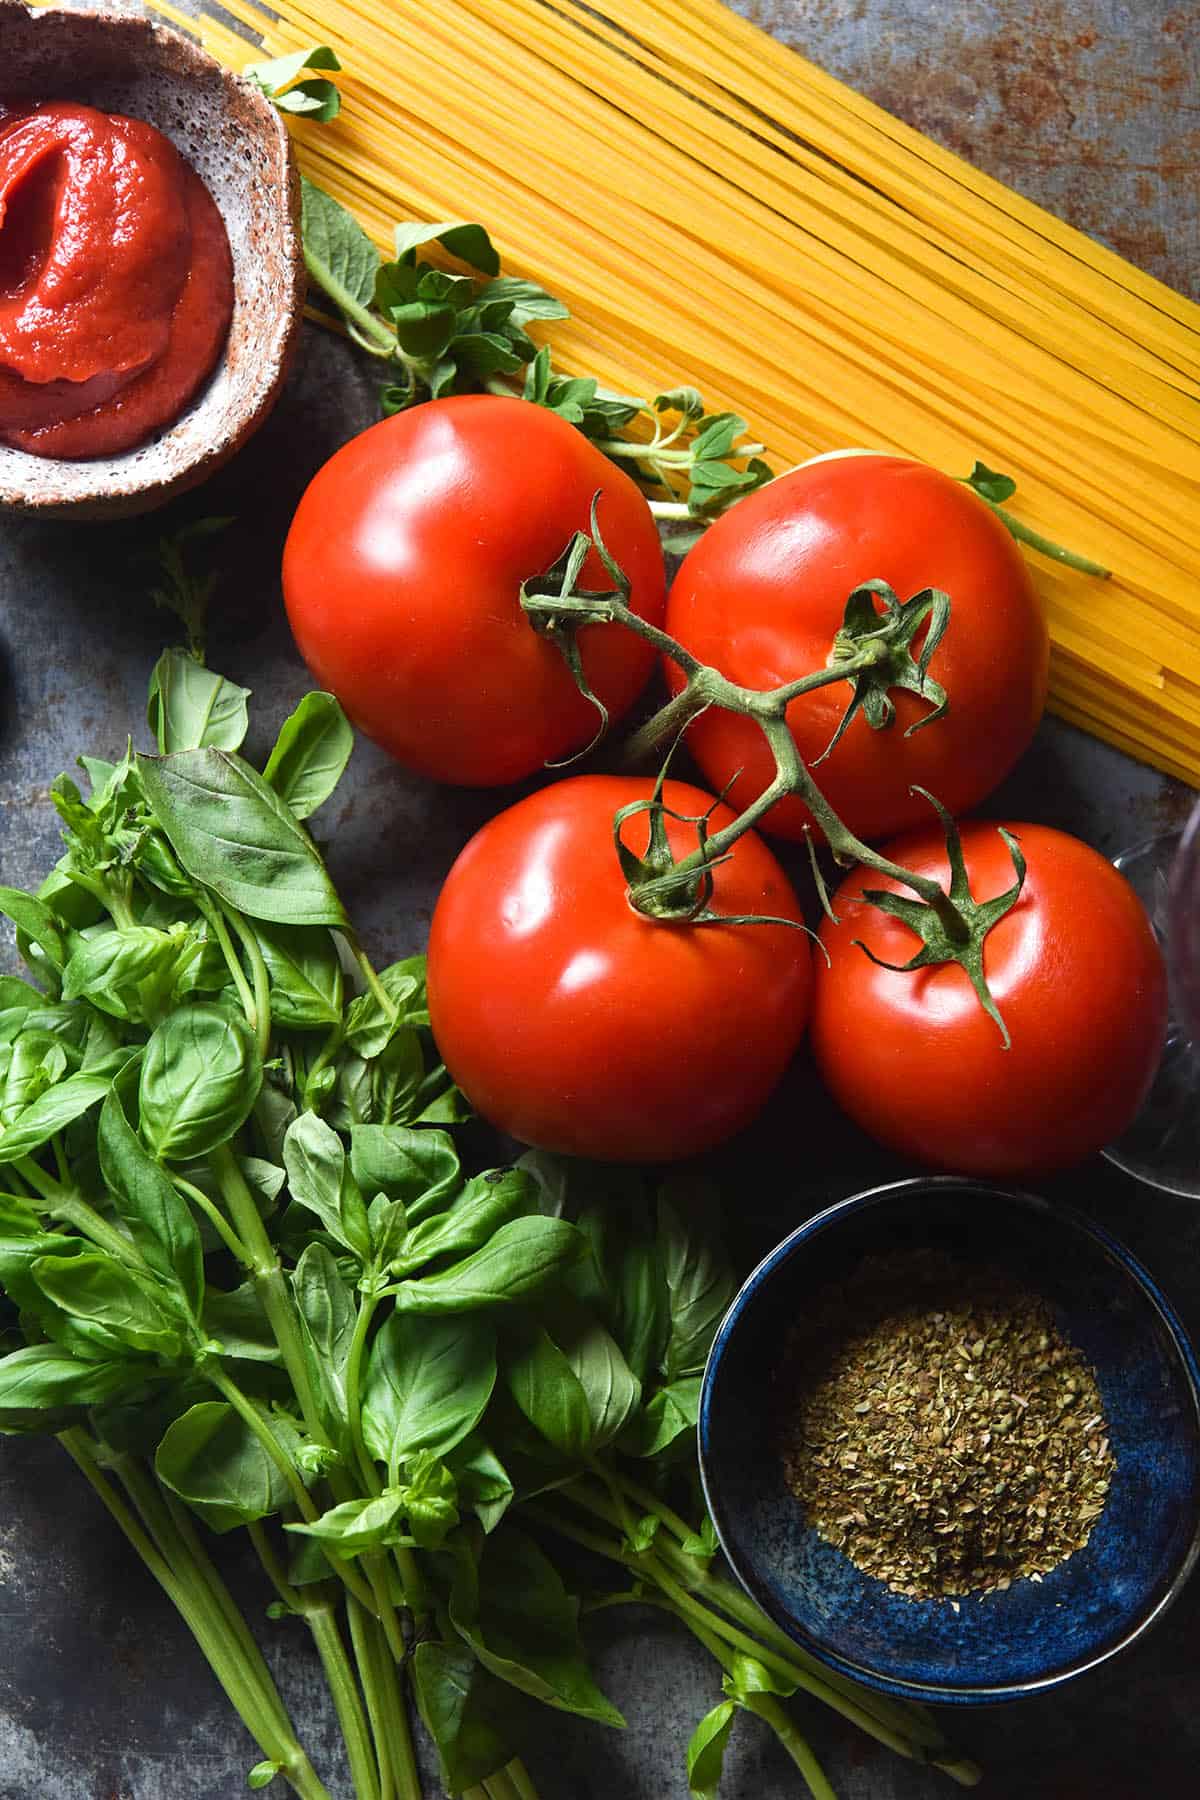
column 715, row 210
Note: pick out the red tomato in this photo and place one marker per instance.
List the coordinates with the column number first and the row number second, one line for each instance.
column 402, row 570
column 763, row 594
column 1075, row 971
column 576, row 1024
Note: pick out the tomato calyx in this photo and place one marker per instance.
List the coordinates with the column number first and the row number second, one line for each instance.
column 938, row 945
column 678, row 892
column 878, row 646
column 873, row 650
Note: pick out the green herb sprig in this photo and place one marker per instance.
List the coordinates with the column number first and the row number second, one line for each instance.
column 254, row 1288
column 439, row 332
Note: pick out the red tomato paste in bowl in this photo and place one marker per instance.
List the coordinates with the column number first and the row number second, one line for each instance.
column 116, row 281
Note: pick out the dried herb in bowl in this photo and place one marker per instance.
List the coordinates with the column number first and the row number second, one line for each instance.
column 938, row 1428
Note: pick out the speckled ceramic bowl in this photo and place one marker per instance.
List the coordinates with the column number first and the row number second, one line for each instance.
column 235, row 139
column 1034, row 1635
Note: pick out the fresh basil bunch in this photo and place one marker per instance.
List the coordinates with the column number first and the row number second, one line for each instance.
column 253, row 1286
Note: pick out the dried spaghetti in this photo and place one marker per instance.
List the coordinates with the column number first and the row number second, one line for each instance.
column 714, row 209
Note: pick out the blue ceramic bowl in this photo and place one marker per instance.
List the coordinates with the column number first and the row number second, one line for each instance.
column 1034, row 1635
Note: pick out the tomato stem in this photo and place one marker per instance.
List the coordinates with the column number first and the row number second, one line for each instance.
column 884, row 643
column 1025, row 534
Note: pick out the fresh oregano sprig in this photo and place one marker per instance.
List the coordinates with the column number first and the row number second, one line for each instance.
column 435, row 332
column 994, row 490
column 447, row 334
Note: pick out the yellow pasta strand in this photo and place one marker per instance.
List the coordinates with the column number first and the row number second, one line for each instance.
column 716, row 210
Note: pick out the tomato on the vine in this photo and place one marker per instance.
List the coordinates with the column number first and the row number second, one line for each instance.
column 402, row 572
column 761, row 598
column 577, row 1024
column 1078, row 977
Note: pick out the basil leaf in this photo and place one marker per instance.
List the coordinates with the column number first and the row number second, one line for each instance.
column 310, row 754
column 33, row 1065
column 550, row 1394
column 159, row 1218
column 234, row 834
column 388, row 1221
column 328, row 1313
column 274, row 1111
column 16, row 996
column 100, row 774
column 748, row 1677
column 666, row 1417
column 523, row 1259
column 466, row 1712
column 551, row 1179
column 265, row 1181
column 103, row 1051
column 638, row 1306
column 95, row 1288
column 19, row 1250
column 420, row 1168
column 396, row 1076
column 17, row 1218
column 238, row 1322
column 341, row 257
column 308, row 1563
column 486, row 1203
column 369, row 1028
column 483, row 1481
column 106, row 969
column 321, row 1180
column 200, row 1077
column 702, row 1544
column 706, row 1751
column 700, row 1283
column 518, row 1618
column 427, row 1384
column 190, row 706
column 611, row 1390
column 35, row 921
column 398, row 980
column 353, row 1101
column 41, row 1379
column 358, row 1525
column 437, row 1101
column 430, row 1496
column 643, row 1533
column 306, row 976
column 212, row 1459
column 51, row 1112
column 469, row 243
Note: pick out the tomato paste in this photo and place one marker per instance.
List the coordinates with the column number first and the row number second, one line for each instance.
column 116, row 281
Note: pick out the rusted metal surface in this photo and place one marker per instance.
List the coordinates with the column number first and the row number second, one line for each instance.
column 1093, row 108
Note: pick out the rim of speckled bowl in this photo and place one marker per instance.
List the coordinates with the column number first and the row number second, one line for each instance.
column 745, row 1567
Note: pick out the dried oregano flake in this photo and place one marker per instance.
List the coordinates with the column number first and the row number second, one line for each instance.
column 938, row 1429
